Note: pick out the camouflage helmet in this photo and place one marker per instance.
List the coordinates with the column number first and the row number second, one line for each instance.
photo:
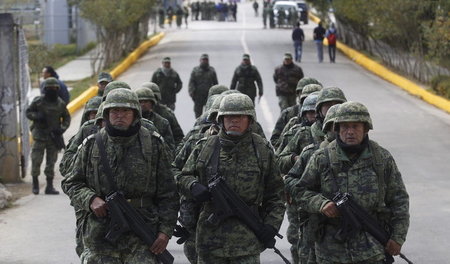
column 309, row 89
column 210, row 102
column 123, row 98
column 329, row 94
column 227, row 92
column 145, row 93
column 217, row 89
column 155, row 89
column 99, row 115
column 214, row 109
column 51, row 82
column 310, row 103
column 305, row 81
column 93, row 104
column 236, row 104
column 114, row 85
column 330, row 117
column 353, row 112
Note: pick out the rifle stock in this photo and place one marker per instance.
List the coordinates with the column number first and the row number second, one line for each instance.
column 124, row 218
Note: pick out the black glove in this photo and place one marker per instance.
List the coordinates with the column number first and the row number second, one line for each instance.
column 200, row 192
column 58, row 131
column 182, row 233
column 267, row 236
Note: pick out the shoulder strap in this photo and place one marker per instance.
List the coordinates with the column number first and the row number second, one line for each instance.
column 378, row 167
column 331, row 155
column 104, row 161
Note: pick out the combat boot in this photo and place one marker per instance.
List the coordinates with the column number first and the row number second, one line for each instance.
column 35, row 188
column 49, row 189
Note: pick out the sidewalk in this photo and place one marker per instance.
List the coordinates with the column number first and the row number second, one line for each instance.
column 79, row 68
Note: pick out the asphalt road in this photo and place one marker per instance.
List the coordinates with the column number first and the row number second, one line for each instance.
column 40, row 229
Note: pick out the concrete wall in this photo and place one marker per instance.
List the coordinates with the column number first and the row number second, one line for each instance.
column 55, row 22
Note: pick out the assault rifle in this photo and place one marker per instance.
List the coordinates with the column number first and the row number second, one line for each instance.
column 358, row 218
column 227, row 203
column 124, row 218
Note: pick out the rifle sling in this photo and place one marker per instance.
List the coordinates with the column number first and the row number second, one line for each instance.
column 104, row 160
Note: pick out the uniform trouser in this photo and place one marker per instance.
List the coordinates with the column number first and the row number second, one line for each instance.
column 189, row 249
column 198, row 108
column 322, row 261
column 37, row 156
column 306, row 251
column 208, row 259
column 140, row 255
column 332, row 52
column 319, row 46
column 298, row 50
column 285, row 101
column 292, row 230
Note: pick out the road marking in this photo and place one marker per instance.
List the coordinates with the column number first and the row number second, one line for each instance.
column 263, row 104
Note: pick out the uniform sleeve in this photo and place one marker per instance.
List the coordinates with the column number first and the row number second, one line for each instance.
column 286, row 158
column 234, row 80
column 75, row 184
column 192, row 84
column 308, row 188
column 189, row 174
column 293, row 177
column 32, row 110
column 179, row 84
column 167, row 199
column 273, row 204
column 155, row 77
column 397, row 200
column 65, row 119
column 259, row 82
column 168, row 136
column 176, row 129
column 214, row 79
column 279, row 126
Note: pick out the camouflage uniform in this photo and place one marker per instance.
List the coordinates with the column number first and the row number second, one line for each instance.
column 91, row 105
column 202, row 78
column 103, row 79
column 291, row 111
column 50, row 116
column 305, row 136
column 373, row 180
column 145, row 180
column 166, row 113
column 232, row 240
column 217, row 89
column 305, row 247
column 244, row 78
column 170, row 84
column 286, row 77
column 161, row 124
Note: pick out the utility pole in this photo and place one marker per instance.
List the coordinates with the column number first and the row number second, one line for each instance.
column 9, row 156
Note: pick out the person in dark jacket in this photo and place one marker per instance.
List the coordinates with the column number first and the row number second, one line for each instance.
column 298, row 37
column 63, row 92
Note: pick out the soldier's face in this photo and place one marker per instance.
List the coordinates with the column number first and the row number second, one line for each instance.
column 121, row 117
column 325, row 106
column 236, row 123
column 146, row 105
column 352, row 133
column 311, row 116
column 101, row 85
column 166, row 64
column 92, row 115
column 246, row 61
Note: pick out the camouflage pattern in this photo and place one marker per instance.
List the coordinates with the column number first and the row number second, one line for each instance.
column 163, row 128
column 243, row 170
column 353, row 112
column 168, row 114
column 91, row 105
column 114, row 85
column 200, row 82
column 169, row 84
column 155, row 89
column 305, row 136
column 247, row 259
column 47, row 116
column 330, row 117
column 329, row 94
column 244, row 79
column 305, row 81
column 309, row 89
column 145, row 93
column 310, row 103
column 230, row 92
column 283, row 119
column 286, row 78
column 217, row 89
column 360, row 178
column 288, row 133
column 236, row 104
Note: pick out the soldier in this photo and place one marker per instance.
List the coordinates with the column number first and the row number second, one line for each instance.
column 165, row 112
column 202, row 78
column 292, row 111
column 90, row 109
column 50, row 119
column 169, row 82
column 245, row 160
column 103, row 79
column 217, row 89
column 286, row 77
column 63, row 92
column 307, row 135
column 147, row 100
column 145, row 180
column 244, row 79
column 356, row 165
column 179, row 14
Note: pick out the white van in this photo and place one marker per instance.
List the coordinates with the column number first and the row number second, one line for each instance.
column 286, row 5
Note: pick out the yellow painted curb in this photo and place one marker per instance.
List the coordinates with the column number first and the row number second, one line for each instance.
column 81, row 100
column 390, row 76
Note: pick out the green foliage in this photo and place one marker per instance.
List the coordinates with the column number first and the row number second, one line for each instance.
column 437, row 36
column 441, row 85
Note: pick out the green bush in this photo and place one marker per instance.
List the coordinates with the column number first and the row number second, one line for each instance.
column 65, row 50
column 441, row 85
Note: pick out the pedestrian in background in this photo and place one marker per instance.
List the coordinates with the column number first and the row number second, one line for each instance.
column 298, row 37
column 103, row 79
column 331, row 36
column 169, row 82
column 255, row 7
column 244, row 79
column 286, row 77
column 186, row 15
column 63, row 92
column 318, row 36
column 202, row 78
